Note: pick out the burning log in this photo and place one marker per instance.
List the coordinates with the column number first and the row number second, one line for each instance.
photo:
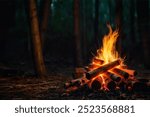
column 72, row 83
column 91, row 66
column 124, row 66
column 75, row 82
column 121, row 73
column 83, row 87
column 97, row 61
column 110, row 84
column 122, row 85
column 96, row 84
column 114, row 77
column 130, row 72
column 93, row 73
column 95, row 64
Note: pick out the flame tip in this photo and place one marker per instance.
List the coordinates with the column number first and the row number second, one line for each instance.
column 108, row 51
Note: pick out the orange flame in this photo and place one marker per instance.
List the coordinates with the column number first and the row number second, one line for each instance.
column 108, row 52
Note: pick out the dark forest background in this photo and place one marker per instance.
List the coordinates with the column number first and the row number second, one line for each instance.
column 72, row 31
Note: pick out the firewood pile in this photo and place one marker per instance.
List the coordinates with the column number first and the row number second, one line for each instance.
column 108, row 77
column 107, row 71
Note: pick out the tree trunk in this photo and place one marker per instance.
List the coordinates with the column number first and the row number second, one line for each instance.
column 132, row 47
column 84, row 32
column 78, row 56
column 143, row 23
column 118, row 20
column 45, row 19
column 96, row 23
column 36, row 40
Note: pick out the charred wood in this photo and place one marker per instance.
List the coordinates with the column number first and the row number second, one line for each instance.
column 96, row 84
column 83, row 87
column 121, row 73
column 111, row 85
column 91, row 74
column 114, row 77
column 91, row 66
column 75, row 82
column 130, row 72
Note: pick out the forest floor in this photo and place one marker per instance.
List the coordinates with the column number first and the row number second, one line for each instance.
column 52, row 88
column 27, row 86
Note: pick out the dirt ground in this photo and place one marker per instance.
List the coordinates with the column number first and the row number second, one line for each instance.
column 28, row 87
